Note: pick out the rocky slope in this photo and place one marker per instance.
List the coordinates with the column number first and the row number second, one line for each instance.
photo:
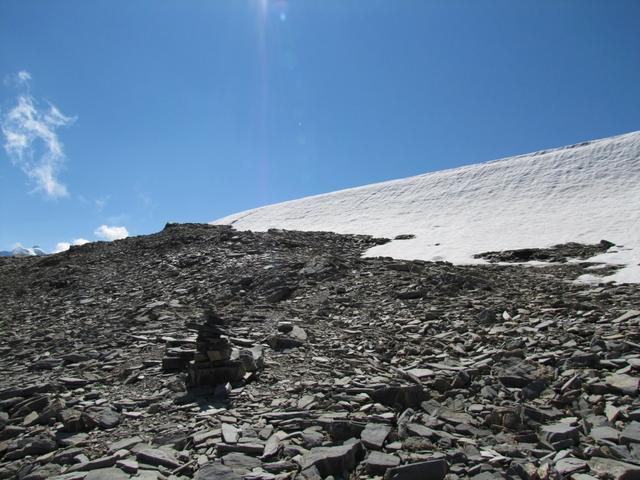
column 351, row 367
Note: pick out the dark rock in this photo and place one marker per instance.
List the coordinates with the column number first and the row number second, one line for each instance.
column 606, row 434
column 104, row 418
column 282, row 342
column 106, row 474
column 240, row 461
column 435, row 469
column 377, row 463
column 558, row 434
column 36, row 445
column 157, row 456
column 333, row 460
column 631, row 433
column 216, row 471
column 401, row 396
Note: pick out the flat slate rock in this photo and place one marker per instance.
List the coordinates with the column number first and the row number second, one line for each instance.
column 216, row 471
column 124, row 444
column 631, row 433
column 157, row 456
column 333, row 460
column 377, row 463
column 374, row 435
column 435, row 469
column 568, row 465
column 237, row 460
column 624, row 383
column 106, row 474
column 609, row 468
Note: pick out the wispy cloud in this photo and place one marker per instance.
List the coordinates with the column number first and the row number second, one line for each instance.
column 64, row 246
column 31, row 140
column 24, row 76
column 111, row 233
column 101, row 202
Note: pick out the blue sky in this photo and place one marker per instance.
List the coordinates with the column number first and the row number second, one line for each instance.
column 132, row 114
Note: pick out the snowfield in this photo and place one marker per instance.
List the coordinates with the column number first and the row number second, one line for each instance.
column 581, row 193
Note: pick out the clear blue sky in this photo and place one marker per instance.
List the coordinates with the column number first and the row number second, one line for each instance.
column 187, row 111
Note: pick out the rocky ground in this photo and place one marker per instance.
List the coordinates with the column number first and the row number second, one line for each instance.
column 364, row 367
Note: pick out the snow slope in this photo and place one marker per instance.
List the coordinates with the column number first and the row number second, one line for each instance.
column 583, row 193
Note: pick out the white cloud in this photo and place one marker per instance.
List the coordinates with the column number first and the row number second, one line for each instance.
column 64, row 246
column 24, row 76
column 61, row 247
column 27, row 126
column 111, row 233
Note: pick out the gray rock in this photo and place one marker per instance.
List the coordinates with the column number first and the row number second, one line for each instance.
column 73, row 382
column 377, row 463
column 36, row 445
column 4, row 419
column 11, row 431
column 559, row 435
column 631, row 433
column 614, row 469
column 400, row 396
column 279, row 467
column 95, row 464
column 604, row 434
column 374, row 435
column 104, row 418
column 66, row 456
column 579, row 359
column 124, row 444
column 623, row 383
column 248, row 448
column 148, row 475
column 157, row 456
column 216, row 471
column 333, row 460
column 570, row 465
column 44, row 472
column 107, row 474
column 298, row 333
column 310, row 473
column 312, row 439
column 283, row 342
column 435, row 469
column 420, row 430
column 71, row 476
column 489, row 475
column 127, row 465
column 239, row 461
column 230, row 434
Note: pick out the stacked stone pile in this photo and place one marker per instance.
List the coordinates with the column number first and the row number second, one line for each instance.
column 212, row 364
column 178, row 354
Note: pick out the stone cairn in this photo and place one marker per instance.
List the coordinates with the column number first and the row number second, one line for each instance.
column 212, row 364
column 209, row 358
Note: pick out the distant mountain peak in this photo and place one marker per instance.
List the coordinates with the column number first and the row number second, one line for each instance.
column 20, row 251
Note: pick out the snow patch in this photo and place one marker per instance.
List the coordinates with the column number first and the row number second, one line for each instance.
column 581, row 193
